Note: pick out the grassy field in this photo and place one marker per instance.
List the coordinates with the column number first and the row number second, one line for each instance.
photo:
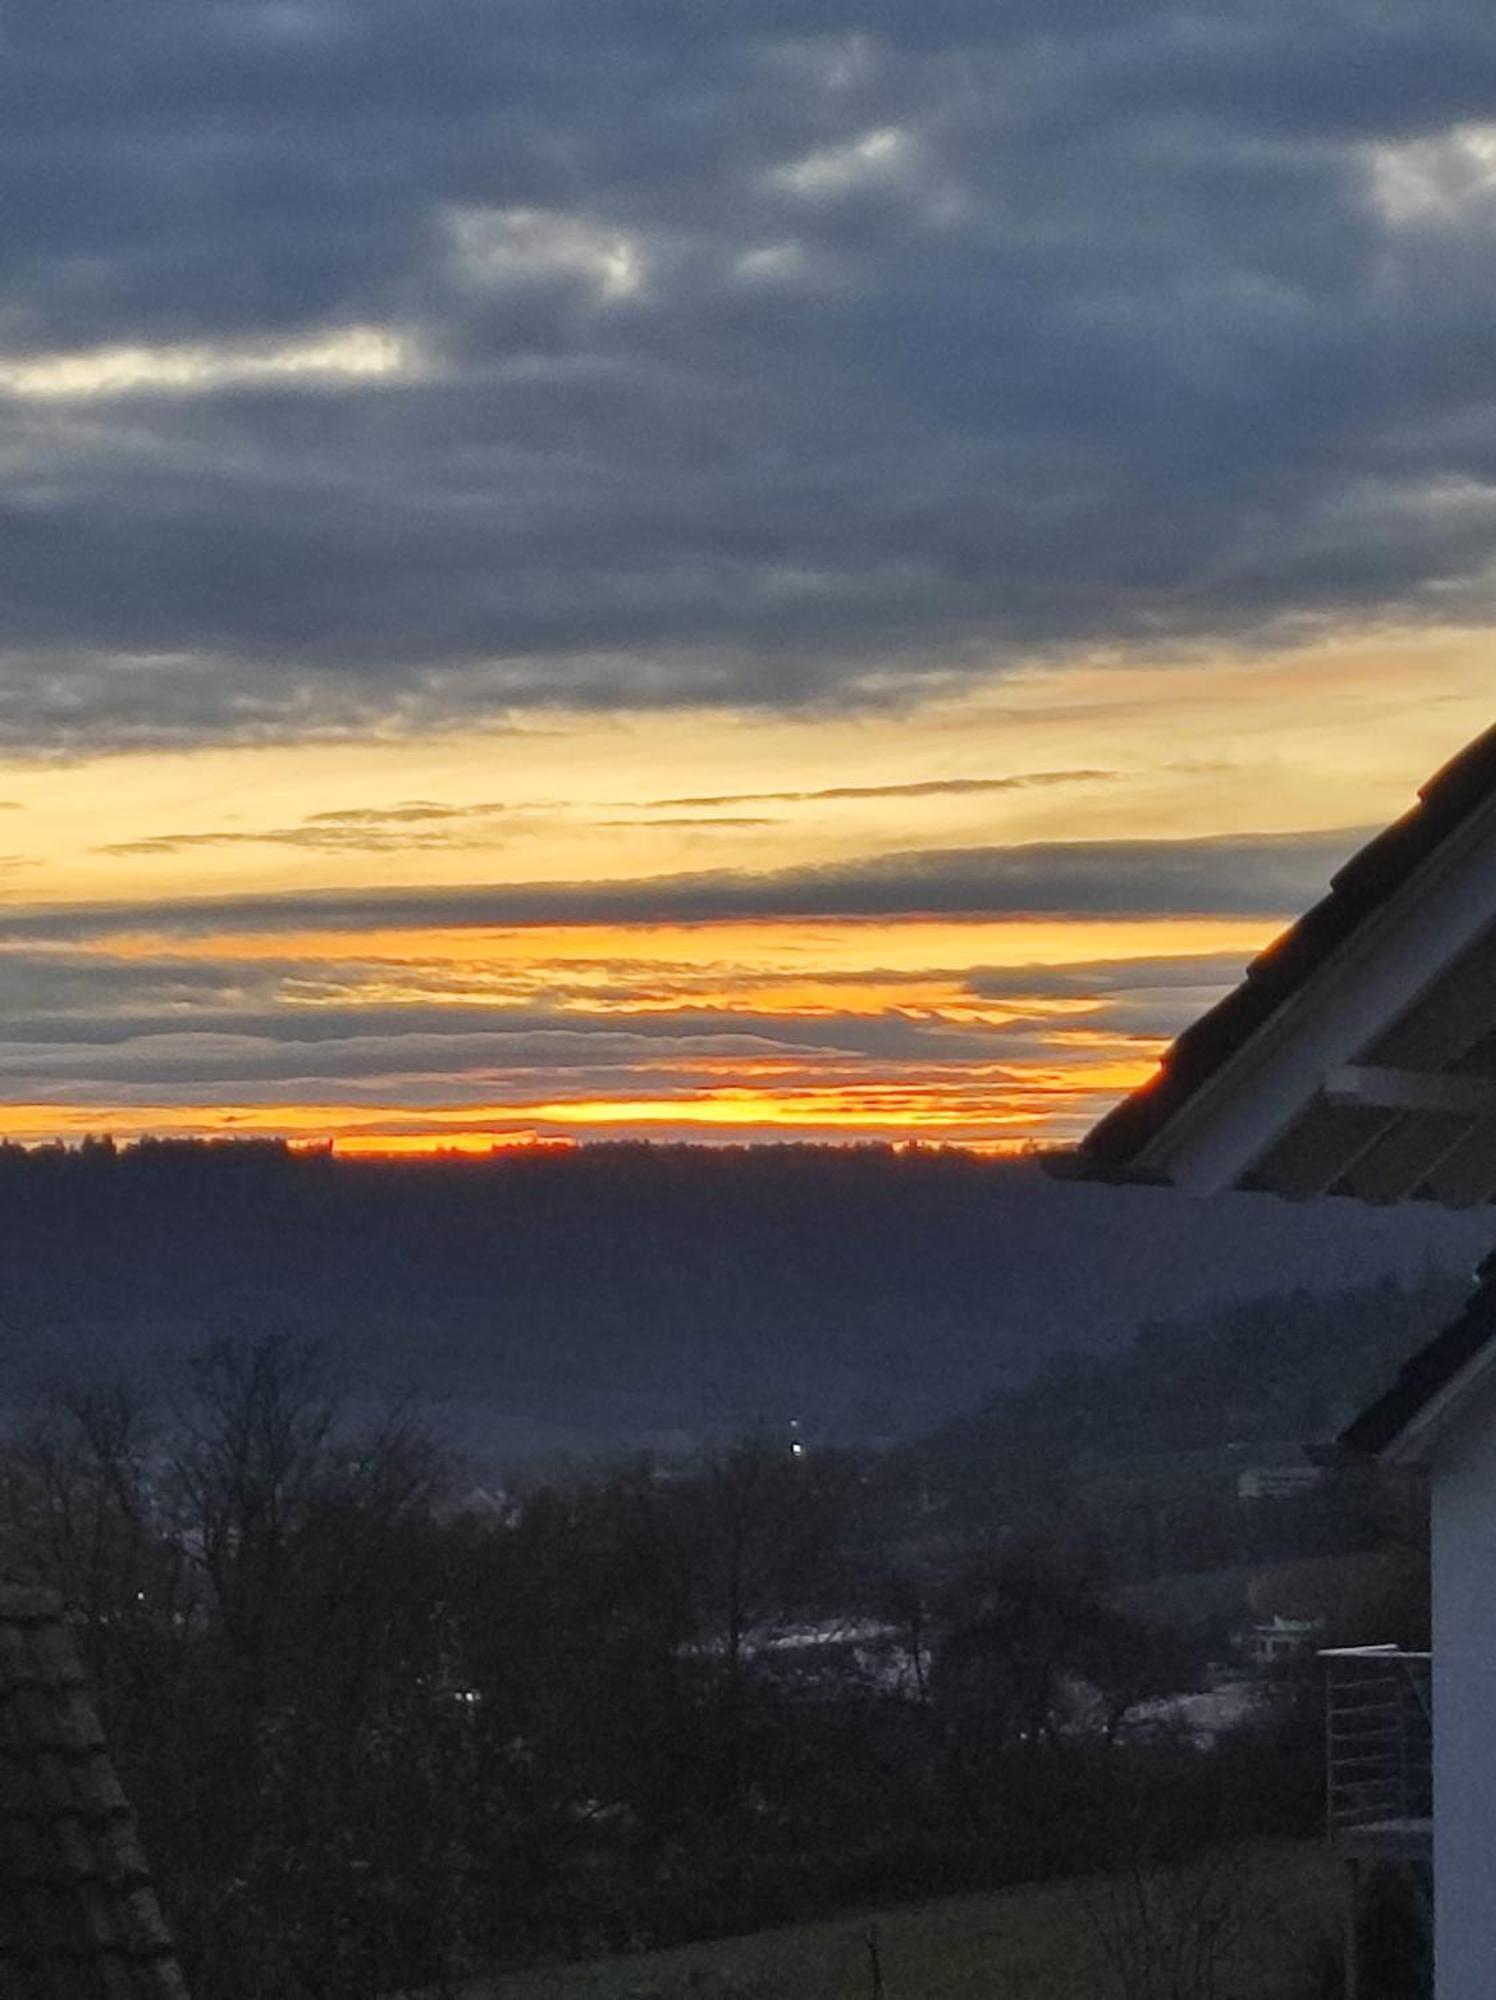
column 1034, row 1943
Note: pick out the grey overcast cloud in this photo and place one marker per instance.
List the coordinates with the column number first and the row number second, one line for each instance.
column 385, row 361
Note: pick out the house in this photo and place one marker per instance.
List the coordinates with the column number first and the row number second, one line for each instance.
column 1274, row 1642
column 1287, row 1477
column 1439, row 1418
column 79, row 1918
column 1358, row 1058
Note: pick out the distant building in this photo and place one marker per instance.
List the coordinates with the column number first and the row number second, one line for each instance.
column 1279, row 1482
column 1277, row 1642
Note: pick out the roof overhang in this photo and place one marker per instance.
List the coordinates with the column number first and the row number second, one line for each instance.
column 1434, row 1425
column 1442, row 1389
column 1359, row 1055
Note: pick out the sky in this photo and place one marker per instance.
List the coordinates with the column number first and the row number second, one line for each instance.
column 585, row 569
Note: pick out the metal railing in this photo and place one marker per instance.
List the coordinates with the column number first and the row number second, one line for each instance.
column 1378, row 1736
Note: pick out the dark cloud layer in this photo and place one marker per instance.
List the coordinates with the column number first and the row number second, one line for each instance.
column 772, row 354
column 1253, row 875
column 922, row 788
column 429, row 825
column 1191, row 973
column 355, row 836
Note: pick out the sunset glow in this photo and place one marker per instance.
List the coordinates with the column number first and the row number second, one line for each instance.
column 791, row 599
column 1029, row 962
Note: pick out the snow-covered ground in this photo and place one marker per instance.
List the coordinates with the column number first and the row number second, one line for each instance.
column 1201, row 1719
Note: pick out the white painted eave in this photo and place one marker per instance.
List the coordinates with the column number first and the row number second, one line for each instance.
column 1232, row 1119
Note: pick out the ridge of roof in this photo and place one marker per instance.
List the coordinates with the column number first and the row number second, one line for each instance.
column 1358, row 889
column 79, row 1919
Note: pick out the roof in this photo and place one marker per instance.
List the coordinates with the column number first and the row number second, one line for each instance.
column 79, row 1918
column 1436, row 1386
column 1358, row 1055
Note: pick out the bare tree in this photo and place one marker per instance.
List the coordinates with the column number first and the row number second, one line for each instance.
column 254, row 1451
column 86, row 1513
column 759, row 1529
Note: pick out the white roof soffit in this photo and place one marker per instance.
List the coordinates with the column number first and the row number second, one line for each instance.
column 1324, row 1051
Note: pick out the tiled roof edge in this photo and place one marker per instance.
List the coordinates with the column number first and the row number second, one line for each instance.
column 1365, row 882
column 92, row 1854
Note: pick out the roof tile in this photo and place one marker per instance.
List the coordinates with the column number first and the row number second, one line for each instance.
column 79, row 1918
column 1361, row 887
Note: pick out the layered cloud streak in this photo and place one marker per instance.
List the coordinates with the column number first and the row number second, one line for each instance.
column 982, row 998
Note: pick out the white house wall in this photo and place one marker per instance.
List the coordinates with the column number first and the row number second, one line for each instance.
column 1464, row 1680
